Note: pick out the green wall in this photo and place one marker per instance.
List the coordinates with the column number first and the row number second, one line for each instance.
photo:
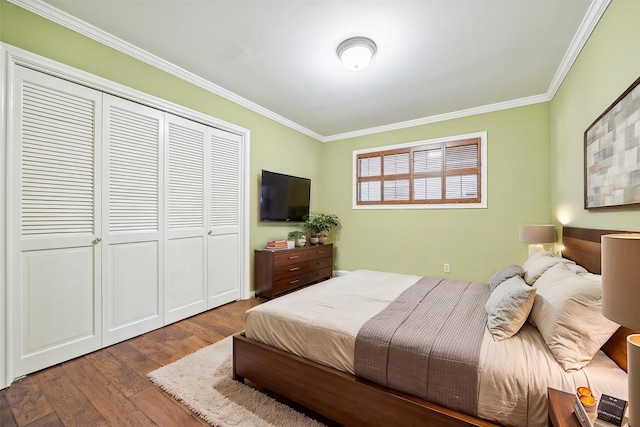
column 273, row 146
column 607, row 65
column 535, row 164
column 475, row 242
column 534, row 153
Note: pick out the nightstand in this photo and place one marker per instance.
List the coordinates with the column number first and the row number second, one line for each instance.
column 560, row 410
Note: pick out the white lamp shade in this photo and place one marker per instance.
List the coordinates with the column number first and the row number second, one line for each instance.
column 356, row 52
column 621, row 279
column 537, row 233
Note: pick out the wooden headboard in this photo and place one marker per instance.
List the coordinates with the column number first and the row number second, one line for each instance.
column 582, row 245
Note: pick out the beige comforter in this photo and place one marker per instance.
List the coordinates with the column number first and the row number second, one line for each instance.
column 321, row 322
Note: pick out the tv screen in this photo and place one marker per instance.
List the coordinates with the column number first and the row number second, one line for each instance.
column 284, row 197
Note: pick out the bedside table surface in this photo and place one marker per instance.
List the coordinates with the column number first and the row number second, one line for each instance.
column 561, row 412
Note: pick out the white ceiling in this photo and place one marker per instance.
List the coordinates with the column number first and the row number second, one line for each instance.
column 436, row 58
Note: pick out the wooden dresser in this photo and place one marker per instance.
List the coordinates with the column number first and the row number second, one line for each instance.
column 285, row 270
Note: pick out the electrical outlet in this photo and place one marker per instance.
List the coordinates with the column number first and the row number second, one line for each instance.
column 446, row 268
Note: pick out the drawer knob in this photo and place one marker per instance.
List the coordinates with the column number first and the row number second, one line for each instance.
column 294, row 282
column 294, row 269
column 320, row 252
column 294, row 257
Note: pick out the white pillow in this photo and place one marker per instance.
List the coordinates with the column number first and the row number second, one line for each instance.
column 567, row 310
column 538, row 263
column 508, row 307
column 575, row 268
column 592, row 276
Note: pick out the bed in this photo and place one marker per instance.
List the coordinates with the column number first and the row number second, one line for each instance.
column 269, row 358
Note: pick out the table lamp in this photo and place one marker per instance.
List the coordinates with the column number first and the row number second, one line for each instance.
column 621, row 303
column 536, row 235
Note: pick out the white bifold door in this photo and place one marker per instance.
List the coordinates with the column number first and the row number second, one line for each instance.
column 225, row 254
column 131, row 226
column 202, row 260
column 122, row 218
column 186, row 238
column 56, row 189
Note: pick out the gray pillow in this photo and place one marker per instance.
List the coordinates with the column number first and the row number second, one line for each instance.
column 503, row 274
column 508, row 307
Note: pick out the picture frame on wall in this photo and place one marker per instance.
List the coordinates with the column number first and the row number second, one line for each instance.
column 612, row 154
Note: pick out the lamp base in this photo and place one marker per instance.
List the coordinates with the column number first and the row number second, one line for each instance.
column 533, row 248
column 633, row 374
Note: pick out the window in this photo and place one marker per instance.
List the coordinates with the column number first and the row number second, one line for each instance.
column 447, row 172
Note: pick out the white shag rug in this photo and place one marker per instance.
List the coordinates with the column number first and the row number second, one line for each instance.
column 203, row 382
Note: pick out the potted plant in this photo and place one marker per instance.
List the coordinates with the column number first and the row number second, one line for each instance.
column 298, row 237
column 319, row 225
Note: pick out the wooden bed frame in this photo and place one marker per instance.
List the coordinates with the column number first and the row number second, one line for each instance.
column 351, row 401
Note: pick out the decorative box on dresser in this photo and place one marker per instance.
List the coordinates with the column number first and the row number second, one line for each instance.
column 283, row 270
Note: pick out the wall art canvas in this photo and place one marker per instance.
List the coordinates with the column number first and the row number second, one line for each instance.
column 612, row 154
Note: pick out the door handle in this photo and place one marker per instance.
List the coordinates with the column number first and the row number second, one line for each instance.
column 210, row 232
column 96, row 241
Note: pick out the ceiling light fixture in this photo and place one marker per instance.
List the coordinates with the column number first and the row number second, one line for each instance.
column 356, row 52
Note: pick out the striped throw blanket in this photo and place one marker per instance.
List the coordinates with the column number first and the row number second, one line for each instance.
column 427, row 343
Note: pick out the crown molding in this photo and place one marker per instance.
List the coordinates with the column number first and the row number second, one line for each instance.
column 588, row 24
column 56, row 15
column 593, row 15
column 441, row 117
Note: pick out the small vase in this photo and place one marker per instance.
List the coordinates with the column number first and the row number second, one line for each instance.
column 314, row 240
column 301, row 242
column 322, row 239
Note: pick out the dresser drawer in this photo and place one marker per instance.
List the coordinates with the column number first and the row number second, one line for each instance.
column 321, row 251
column 316, row 275
column 290, row 284
column 316, row 264
column 284, row 272
column 289, row 258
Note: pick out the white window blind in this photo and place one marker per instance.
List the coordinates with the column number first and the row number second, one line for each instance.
column 396, row 164
column 445, row 172
column 369, row 166
column 369, row 191
column 427, row 188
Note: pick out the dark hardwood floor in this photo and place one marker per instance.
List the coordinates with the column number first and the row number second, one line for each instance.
column 109, row 387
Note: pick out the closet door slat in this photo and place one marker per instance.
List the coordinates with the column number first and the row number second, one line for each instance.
column 133, row 171
column 186, row 177
column 64, row 168
column 225, row 180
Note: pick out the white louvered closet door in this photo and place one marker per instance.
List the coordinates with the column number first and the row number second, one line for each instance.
column 225, row 217
column 132, row 223
column 56, row 188
column 186, row 237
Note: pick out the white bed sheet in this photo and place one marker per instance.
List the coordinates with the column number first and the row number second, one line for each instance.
column 320, row 323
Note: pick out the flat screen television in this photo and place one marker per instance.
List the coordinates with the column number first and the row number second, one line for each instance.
column 284, row 197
